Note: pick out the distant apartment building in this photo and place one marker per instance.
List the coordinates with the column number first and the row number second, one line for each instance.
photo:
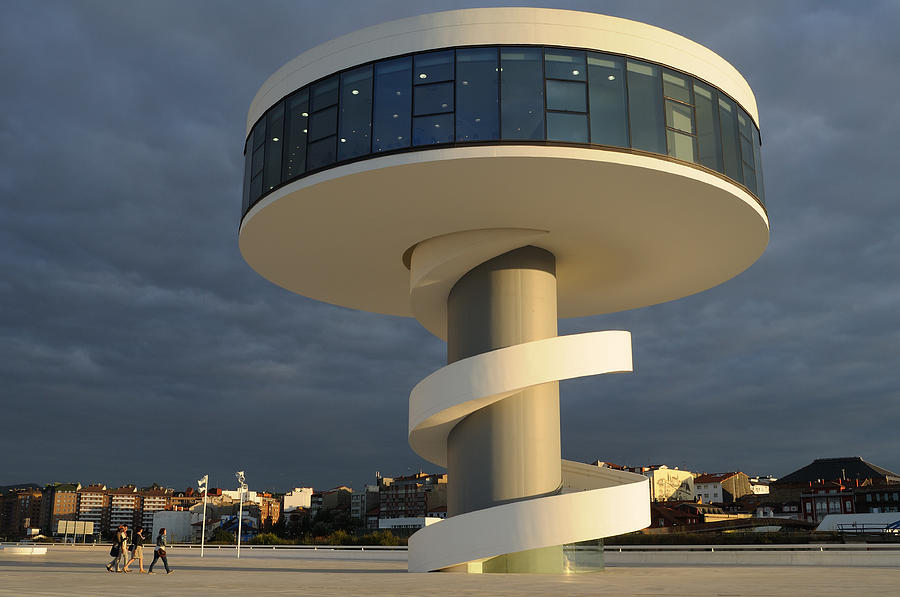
column 20, row 510
column 363, row 501
column 59, row 501
column 269, row 510
column 299, row 497
column 721, row 488
column 93, row 506
column 183, row 500
column 411, row 496
column 152, row 501
column 884, row 498
column 827, row 497
column 335, row 499
column 124, row 507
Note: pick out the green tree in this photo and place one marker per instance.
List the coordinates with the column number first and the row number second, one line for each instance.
column 223, row 536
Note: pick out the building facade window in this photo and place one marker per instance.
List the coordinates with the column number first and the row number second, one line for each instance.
column 497, row 94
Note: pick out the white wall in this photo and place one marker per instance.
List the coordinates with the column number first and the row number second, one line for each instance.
column 177, row 525
column 249, row 496
column 407, row 523
column 671, row 484
column 300, row 497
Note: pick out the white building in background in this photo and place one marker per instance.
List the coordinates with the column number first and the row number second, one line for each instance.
column 249, row 496
column 760, row 485
column 177, row 524
column 670, row 484
column 299, row 497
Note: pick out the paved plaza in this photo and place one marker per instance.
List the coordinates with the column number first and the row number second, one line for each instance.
column 80, row 571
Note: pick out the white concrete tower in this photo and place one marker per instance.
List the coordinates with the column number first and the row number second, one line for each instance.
column 487, row 171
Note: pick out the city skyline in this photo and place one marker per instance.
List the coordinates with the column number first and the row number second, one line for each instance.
column 129, row 316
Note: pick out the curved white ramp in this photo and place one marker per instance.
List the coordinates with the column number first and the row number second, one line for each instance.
column 594, row 502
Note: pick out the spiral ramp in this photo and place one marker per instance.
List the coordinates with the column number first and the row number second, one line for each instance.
column 591, row 503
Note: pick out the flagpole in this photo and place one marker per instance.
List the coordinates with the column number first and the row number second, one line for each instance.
column 241, row 488
column 204, row 486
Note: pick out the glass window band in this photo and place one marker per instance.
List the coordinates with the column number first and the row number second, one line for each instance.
column 501, row 94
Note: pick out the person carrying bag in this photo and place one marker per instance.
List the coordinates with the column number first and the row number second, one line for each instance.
column 160, row 552
column 117, row 551
column 137, row 551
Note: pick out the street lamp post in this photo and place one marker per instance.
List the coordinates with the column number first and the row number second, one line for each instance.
column 203, row 484
column 242, row 487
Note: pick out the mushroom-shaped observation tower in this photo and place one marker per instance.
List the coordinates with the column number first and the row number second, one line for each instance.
column 487, row 171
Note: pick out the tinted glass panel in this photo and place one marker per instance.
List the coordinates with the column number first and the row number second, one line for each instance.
column 745, row 127
column 297, row 124
column 567, row 127
column 324, row 94
column 433, row 99
column 259, row 141
column 746, row 151
column 750, row 177
column 645, row 107
column 681, row 146
column 676, row 86
column 393, row 104
column 709, row 145
column 323, row 124
column 477, row 94
column 274, row 144
column 566, row 95
column 609, row 122
column 679, row 116
column 731, row 150
column 522, row 93
column 255, row 188
column 564, row 64
column 258, row 161
column 428, row 130
column 356, row 113
column 321, row 153
column 259, row 133
column 245, row 196
column 433, row 67
column 757, row 162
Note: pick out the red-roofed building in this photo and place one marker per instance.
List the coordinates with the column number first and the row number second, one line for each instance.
column 827, row 497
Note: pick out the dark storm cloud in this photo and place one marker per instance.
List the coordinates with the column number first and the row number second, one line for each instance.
column 125, row 306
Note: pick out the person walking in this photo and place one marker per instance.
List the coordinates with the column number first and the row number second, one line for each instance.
column 137, row 551
column 160, row 552
column 118, row 549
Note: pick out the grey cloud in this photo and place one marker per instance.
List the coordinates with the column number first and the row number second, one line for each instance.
column 127, row 308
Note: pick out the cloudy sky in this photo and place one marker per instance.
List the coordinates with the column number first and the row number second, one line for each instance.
column 137, row 346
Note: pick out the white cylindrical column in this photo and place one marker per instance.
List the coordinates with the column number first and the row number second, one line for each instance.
column 510, row 450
